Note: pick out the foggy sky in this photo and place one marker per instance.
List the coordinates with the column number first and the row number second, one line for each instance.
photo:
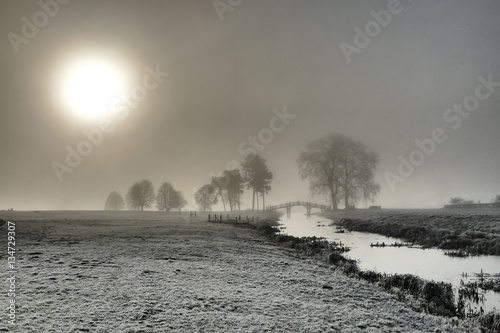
column 226, row 77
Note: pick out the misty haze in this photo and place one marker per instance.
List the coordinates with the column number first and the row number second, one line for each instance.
column 250, row 166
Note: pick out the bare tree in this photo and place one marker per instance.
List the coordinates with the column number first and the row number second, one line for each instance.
column 257, row 177
column 370, row 193
column 220, row 185
column 114, row 202
column 497, row 199
column 234, row 188
column 205, row 197
column 339, row 167
column 228, row 187
column 179, row 201
column 141, row 195
column 169, row 198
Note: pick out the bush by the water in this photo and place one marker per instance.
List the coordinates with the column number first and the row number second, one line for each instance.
column 310, row 245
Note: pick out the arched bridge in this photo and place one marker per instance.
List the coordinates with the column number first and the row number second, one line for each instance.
column 309, row 206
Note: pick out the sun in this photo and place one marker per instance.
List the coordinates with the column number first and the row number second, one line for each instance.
column 88, row 85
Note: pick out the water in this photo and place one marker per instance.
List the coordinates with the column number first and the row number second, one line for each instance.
column 429, row 264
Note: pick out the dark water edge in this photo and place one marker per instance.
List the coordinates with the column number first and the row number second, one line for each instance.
column 473, row 234
column 437, row 298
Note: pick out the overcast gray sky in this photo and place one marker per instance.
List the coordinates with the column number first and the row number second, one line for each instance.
column 225, row 78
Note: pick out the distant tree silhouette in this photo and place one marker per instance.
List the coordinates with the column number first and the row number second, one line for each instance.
column 456, row 200
column 340, row 168
column 169, row 198
column 114, row 202
column 460, row 201
column 179, row 201
column 497, row 199
column 257, row 177
column 220, row 186
column 234, row 188
column 140, row 195
column 228, row 187
column 205, row 197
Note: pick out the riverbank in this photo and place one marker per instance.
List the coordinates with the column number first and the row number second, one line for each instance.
column 152, row 271
column 473, row 231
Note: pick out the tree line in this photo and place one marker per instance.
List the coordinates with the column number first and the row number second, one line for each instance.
column 142, row 195
column 336, row 167
column 228, row 187
column 462, row 201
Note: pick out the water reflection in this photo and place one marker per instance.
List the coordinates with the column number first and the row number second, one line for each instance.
column 430, row 264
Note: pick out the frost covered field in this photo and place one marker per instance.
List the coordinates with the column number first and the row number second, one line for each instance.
column 158, row 272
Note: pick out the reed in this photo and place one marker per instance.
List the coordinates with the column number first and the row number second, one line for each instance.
column 491, row 322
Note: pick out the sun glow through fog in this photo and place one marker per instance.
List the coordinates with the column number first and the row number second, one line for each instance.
column 89, row 85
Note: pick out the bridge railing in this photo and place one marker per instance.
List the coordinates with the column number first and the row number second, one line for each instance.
column 298, row 203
